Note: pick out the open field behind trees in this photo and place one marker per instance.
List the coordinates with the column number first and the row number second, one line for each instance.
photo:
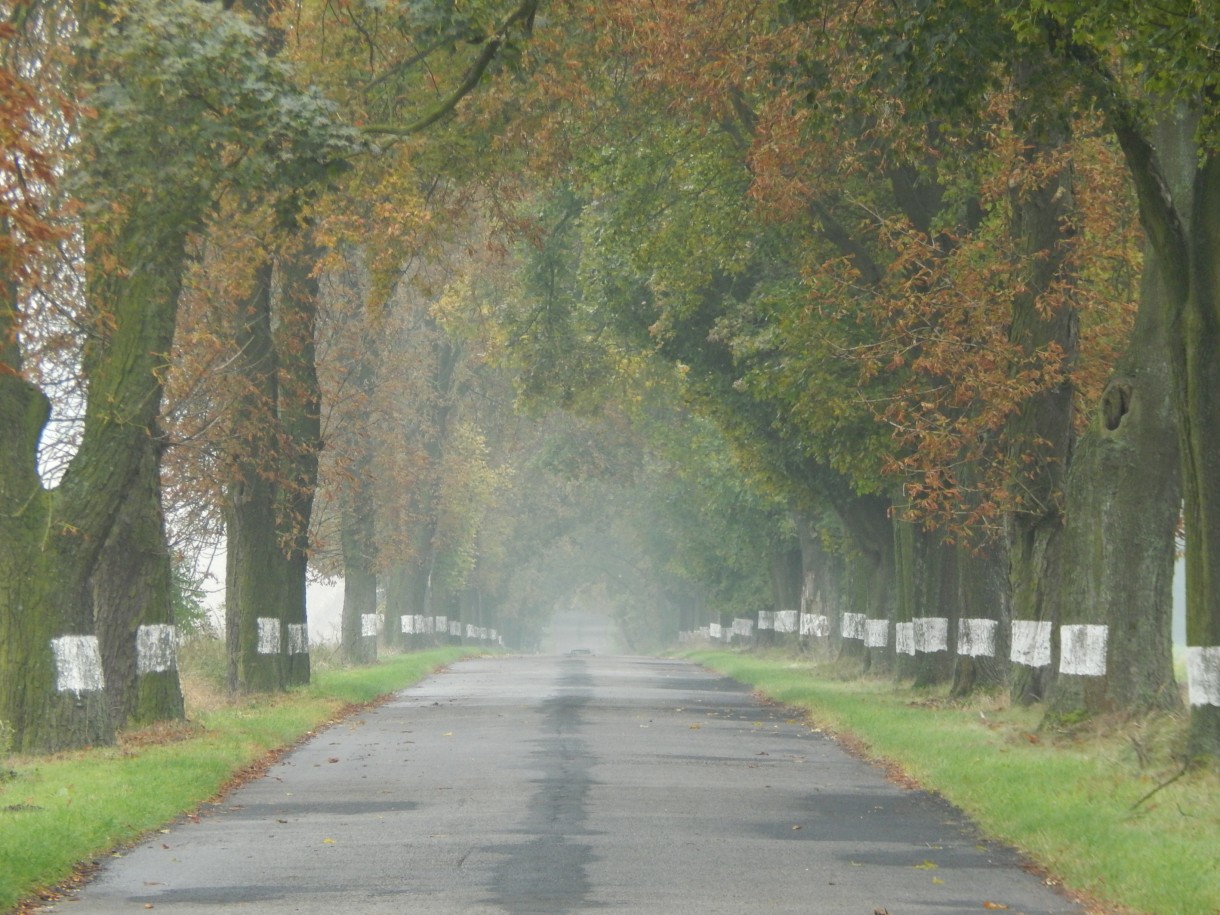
column 1103, row 808
column 59, row 811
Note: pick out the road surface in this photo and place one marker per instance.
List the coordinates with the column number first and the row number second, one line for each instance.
column 567, row 784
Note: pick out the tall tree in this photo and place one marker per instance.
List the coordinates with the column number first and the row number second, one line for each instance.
column 176, row 88
column 1153, row 72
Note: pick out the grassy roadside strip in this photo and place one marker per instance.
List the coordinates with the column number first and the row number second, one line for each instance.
column 1077, row 804
column 60, row 810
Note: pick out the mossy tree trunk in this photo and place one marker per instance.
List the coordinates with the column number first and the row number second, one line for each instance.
column 1043, row 321
column 1123, row 497
column 359, row 576
column 51, row 682
column 870, row 570
column 358, row 521
column 133, row 597
column 1178, row 186
column 1198, row 393
column 299, row 414
column 254, row 558
column 982, row 649
column 937, row 607
column 274, row 472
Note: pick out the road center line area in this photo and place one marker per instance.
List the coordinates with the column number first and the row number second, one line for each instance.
column 567, row 784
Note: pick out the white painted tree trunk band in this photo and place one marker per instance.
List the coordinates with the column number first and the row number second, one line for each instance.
column 931, row 634
column 156, row 648
column 766, row 620
column 1031, row 643
column 268, row 635
column 815, row 624
column 808, row 595
column 408, row 624
column 1203, row 675
column 785, row 621
column 368, row 625
column 471, row 631
column 853, row 625
column 78, row 664
column 876, row 633
column 976, row 638
column 455, row 627
column 298, row 638
column 442, row 624
column 904, row 638
column 1082, row 650
column 743, row 627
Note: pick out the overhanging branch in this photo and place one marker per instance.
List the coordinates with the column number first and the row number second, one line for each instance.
column 522, row 15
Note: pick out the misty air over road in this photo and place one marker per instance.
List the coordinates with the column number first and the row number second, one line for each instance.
column 570, row 783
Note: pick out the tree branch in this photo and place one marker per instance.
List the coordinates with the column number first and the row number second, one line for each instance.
column 523, row 14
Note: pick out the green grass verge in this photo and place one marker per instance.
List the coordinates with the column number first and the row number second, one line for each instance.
column 1077, row 804
column 60, row 810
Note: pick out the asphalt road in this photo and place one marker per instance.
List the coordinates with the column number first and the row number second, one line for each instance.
column 547, row 785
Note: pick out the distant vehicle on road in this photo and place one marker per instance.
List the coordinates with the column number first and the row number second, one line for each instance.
column 577, row 651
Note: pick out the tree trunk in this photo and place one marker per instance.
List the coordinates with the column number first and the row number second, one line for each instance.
column 299, row 407
column 133, row 599
column 786, row 591
column 397, row 605
column 981, row 642
column 1040, row 435
column 870, row 573
column 51, row 681
column 1124, row 491
column 1178, row 186
column 936, row 610
column 821, row 586
column 359, row 630
column 255, row 560
column 1198, row 395
column 277, row 423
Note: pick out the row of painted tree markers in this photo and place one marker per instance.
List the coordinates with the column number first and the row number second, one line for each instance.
column 78, row 659
column 1082, row 648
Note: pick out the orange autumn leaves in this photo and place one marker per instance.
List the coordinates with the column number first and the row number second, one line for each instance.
column 900, row 322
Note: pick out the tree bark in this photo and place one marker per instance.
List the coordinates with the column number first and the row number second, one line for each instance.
column 300, row 425
column 51, row 683
column 1198, row 394
column 1178, row 186
column 1124, row 493
column 133, row 598
column 255, row 560
column 274, row 468
column 359, row 577
column 1041, row 434
column 981, row 640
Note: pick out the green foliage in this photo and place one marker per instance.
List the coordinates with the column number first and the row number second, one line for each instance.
column 186, row 102
column 191, row 614
column 1169, row 52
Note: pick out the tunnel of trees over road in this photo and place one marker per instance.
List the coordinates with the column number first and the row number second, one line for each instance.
column 890, row 332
